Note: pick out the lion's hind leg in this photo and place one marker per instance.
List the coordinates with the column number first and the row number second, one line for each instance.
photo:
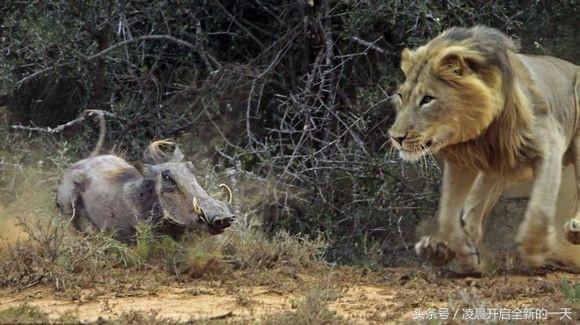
column 572, row 227
column 536, row 236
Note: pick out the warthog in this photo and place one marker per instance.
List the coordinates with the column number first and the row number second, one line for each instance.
column 109, row 194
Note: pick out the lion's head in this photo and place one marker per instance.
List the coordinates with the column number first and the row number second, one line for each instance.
column 454, row 88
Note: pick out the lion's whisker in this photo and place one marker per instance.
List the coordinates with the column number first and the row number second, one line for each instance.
column 423, row 160
column 391, row 151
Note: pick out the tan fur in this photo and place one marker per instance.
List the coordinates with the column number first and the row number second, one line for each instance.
column 493, row 115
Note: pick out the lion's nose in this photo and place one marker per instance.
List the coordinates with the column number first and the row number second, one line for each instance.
column 399, row 139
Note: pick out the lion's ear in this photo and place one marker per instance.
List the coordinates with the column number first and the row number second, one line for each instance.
column 406, row 60
column 456, row 63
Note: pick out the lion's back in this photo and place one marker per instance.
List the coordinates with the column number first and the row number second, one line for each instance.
column 556, row 79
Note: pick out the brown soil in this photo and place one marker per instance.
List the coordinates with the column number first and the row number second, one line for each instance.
column 394, row 294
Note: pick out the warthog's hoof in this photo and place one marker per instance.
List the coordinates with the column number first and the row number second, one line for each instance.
column 572, row 231
column 434, row 250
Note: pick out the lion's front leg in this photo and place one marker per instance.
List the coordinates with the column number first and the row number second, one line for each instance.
column 481, row 199
column 536, row 235
column 457, row 182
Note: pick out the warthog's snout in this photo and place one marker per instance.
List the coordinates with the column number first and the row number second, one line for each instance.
column 219, row 224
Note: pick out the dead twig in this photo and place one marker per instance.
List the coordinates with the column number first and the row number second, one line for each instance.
column 62, row 127
column 372, row 45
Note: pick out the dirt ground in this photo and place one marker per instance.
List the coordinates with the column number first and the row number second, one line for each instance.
column 397, row 294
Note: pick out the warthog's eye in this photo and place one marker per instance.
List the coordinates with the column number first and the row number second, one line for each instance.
column 426, row 100
column 166, row 175
column 400, row 96
column 168, row 182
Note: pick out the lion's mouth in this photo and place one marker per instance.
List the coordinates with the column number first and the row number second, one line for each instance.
column 428, row 148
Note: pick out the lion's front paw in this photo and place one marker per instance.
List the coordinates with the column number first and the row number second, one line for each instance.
column 434, row 250
column 534, row 247
column 572, row 231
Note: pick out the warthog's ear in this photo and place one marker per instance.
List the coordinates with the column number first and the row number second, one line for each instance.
column 177, row 154
column 162, row 151
column 145, row 169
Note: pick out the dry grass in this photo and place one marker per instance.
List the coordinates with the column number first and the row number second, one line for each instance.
column 240, row 248
column 250, row 248
column 51, row 255
column 26, row 314
column 311, row 309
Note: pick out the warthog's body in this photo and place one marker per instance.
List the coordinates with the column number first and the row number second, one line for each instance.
column 110, row 194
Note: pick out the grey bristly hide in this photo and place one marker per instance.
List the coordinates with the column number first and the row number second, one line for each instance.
column 109, row 194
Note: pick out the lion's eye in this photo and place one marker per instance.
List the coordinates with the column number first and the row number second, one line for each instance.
column 426, row 100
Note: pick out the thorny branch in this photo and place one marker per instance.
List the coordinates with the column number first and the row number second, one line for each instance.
column 86, row 114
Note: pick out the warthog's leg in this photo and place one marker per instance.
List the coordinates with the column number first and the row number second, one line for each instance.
column 536, row 235
column 457, row 182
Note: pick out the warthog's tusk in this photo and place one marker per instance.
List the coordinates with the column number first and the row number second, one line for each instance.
column 228, row 191
column 197, row 209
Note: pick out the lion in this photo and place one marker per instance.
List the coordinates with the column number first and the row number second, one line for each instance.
column 494, row 116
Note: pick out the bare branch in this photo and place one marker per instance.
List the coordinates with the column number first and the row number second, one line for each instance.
column 85, row 114
column 142, row 38
column 372, row 45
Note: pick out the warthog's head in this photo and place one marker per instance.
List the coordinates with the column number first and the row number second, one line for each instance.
column 183, row 200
